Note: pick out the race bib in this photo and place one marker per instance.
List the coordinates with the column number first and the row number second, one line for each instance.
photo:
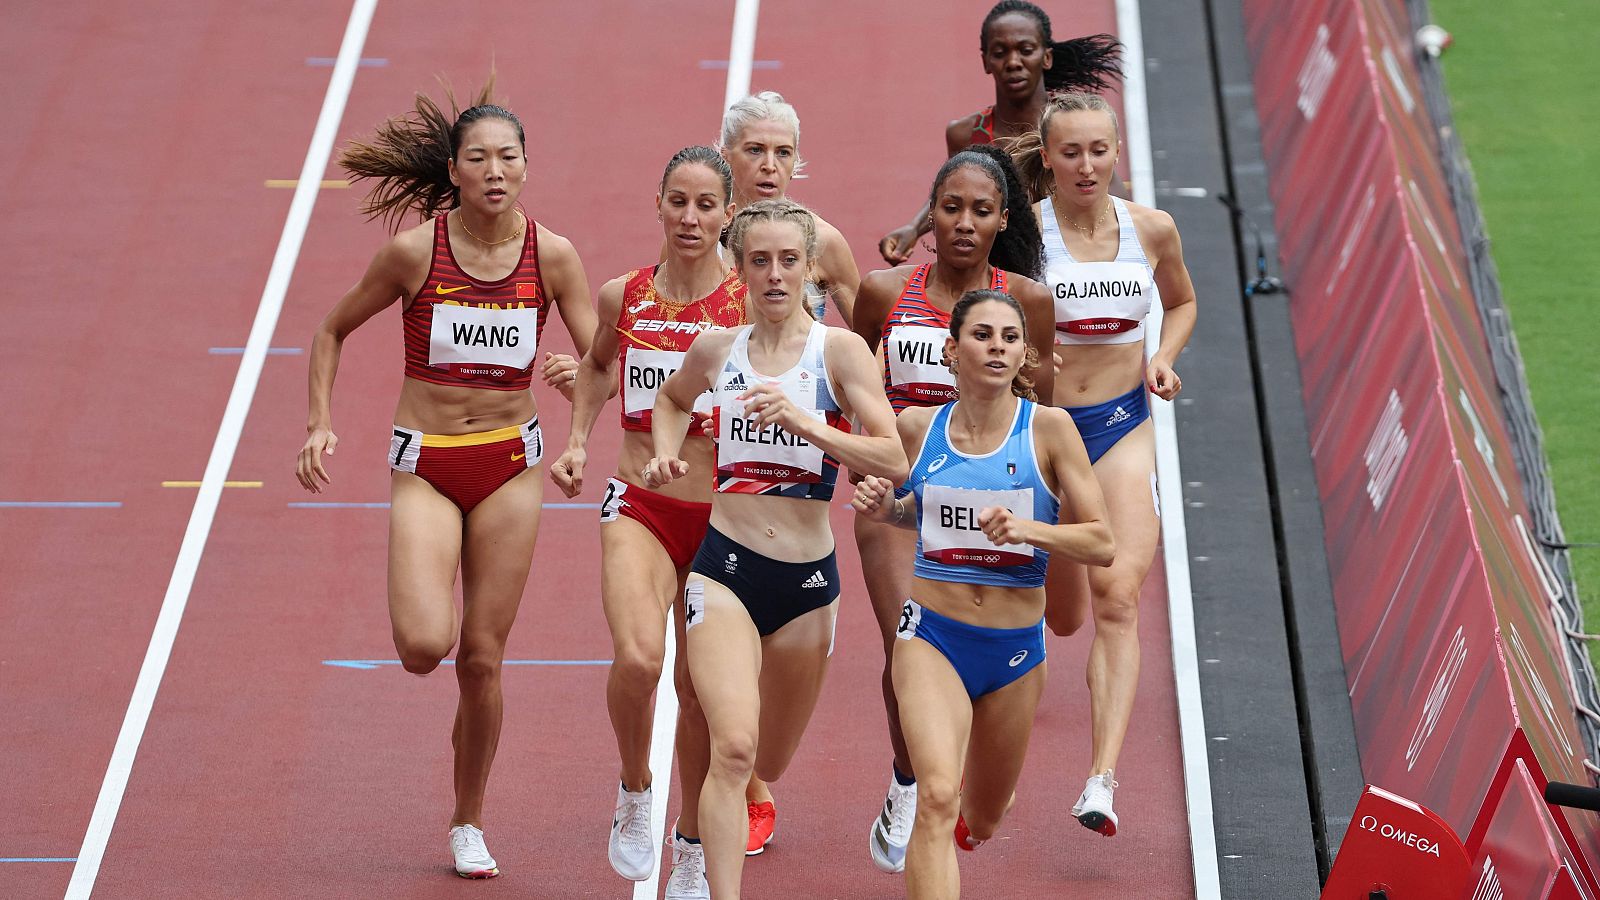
column 766, row 453
column 496, row 337
column 916, row 362
column 1099, row 299
column 950, row 530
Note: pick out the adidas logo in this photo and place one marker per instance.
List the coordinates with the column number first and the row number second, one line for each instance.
column 1121, row 415
column 816, row 580
column 736, row 383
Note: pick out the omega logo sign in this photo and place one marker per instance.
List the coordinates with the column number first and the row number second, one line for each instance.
column 1399, row 835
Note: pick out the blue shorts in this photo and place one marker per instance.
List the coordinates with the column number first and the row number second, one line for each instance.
column 1104, row 424
column 987, row 659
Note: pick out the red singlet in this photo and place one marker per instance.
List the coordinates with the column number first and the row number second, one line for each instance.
column 468, row 333
column 655, row 333
column 914, row 373
column 983, row 132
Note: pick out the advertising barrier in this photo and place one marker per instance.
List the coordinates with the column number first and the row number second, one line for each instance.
column 1459, row 681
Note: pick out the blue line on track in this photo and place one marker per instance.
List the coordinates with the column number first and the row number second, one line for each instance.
column 6, row 859
column 375, row 663
column 325, row 504
column 271, row 351
column 60, row 504
column 367, row 62
column 754, row 64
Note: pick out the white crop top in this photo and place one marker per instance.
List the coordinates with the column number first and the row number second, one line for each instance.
column 1098, row 302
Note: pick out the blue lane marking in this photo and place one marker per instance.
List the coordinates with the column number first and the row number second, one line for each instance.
column 6, row 859
column 324, row 504
column 375, row 663
column 60, row 504
column 328, row 61
column 754, row 64
column 271, row 351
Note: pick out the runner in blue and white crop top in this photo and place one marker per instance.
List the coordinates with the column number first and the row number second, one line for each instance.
column 952, row 487
column 770, row 460
column 1098, row 302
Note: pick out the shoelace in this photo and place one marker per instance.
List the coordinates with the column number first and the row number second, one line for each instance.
column 761, row 813
column 468, row 842
column 635, row 821
column 902, row 816
column 686, row 870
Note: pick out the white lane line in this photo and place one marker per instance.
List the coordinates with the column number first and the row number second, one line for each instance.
column 1175, row 540
column 115, row 784
column 664, row 730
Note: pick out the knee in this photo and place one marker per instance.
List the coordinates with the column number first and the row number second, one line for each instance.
column 477, row 668
column 419, row 656
column 1062, row 621
column 938, row 800
column 1118, row 606
column 733, row 755
column 636, row 669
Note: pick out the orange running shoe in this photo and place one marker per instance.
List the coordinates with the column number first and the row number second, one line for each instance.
column 964, row 837
column 763, row 821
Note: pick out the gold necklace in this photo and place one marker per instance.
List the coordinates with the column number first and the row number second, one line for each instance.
column 462, row 221
column 1089, row 232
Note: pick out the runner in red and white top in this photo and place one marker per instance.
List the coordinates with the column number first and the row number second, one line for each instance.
column 983, row 227
column 476, row 282
column 649, row 319
column 763, row 590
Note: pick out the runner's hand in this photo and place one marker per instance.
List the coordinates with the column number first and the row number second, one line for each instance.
column 1162, row 381
column 767, row 404
column 567, row 471
column 663, row 470
column 1002, row 526
column 308, row 467
column 874, row 498
column 560, row 371
column 897, row 246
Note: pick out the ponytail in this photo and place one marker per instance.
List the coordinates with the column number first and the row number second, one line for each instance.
column 1027, row 149
column 408, row 158
column 1089, row 63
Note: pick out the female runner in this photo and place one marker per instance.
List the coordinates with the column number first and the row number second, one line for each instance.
column 986, row 237
column 993, row 474
column 1105, row 259
column 762, row 595
column 476, row 283
column 1027, row 65
column 648, row 319
column 761, row 141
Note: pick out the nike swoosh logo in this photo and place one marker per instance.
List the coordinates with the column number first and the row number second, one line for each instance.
column 517, row 456
column 908, row 318
column 439, row 288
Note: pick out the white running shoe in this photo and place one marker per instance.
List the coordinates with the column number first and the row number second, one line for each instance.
column 472, row 857
column 631, row 850
column 891, row 830
column 1093, row 810
column 688, row 881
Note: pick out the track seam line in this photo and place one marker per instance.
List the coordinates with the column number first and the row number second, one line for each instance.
column 664, row 728
column 115, row 783
column 1174, row 531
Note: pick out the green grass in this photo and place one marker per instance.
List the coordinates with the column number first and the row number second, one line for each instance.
column 1522, row 78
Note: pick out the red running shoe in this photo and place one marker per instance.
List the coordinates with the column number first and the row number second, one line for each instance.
column 964, row 837
column 763, row 821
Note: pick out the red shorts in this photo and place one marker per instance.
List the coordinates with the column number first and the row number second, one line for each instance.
column 678, row 525
column 466, row 468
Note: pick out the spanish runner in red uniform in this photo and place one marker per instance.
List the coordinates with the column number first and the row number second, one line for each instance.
column 762, row 594
column 1106, row 261
column 648, row 320
column 986, row 237
column 476, row 282
column 1027, row 65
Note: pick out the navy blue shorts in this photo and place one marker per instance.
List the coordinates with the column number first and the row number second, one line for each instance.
column 987, row 659
column 1104, row 424
column 774, row 592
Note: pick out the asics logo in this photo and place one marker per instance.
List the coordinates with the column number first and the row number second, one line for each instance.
column 1017, row 660
column 439, row 288
column 938, row 463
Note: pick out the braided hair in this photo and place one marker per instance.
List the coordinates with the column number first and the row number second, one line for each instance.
column 1087, row 63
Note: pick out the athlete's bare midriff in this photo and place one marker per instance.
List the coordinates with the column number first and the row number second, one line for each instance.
column 1094, row 374
column 788, row 529
column 451, row 409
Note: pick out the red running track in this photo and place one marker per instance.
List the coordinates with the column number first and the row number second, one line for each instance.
column 263, row 772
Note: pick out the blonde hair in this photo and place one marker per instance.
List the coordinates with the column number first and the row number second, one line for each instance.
column 1027, row 150
column 782, row 210
column 759, row 108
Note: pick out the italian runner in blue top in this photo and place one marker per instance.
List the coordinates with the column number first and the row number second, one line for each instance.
column 999, row 483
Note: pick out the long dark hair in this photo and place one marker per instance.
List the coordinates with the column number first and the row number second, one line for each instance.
column 1021, row 383
column 1089, row 63
column 1019, row 248
column 409, row 156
